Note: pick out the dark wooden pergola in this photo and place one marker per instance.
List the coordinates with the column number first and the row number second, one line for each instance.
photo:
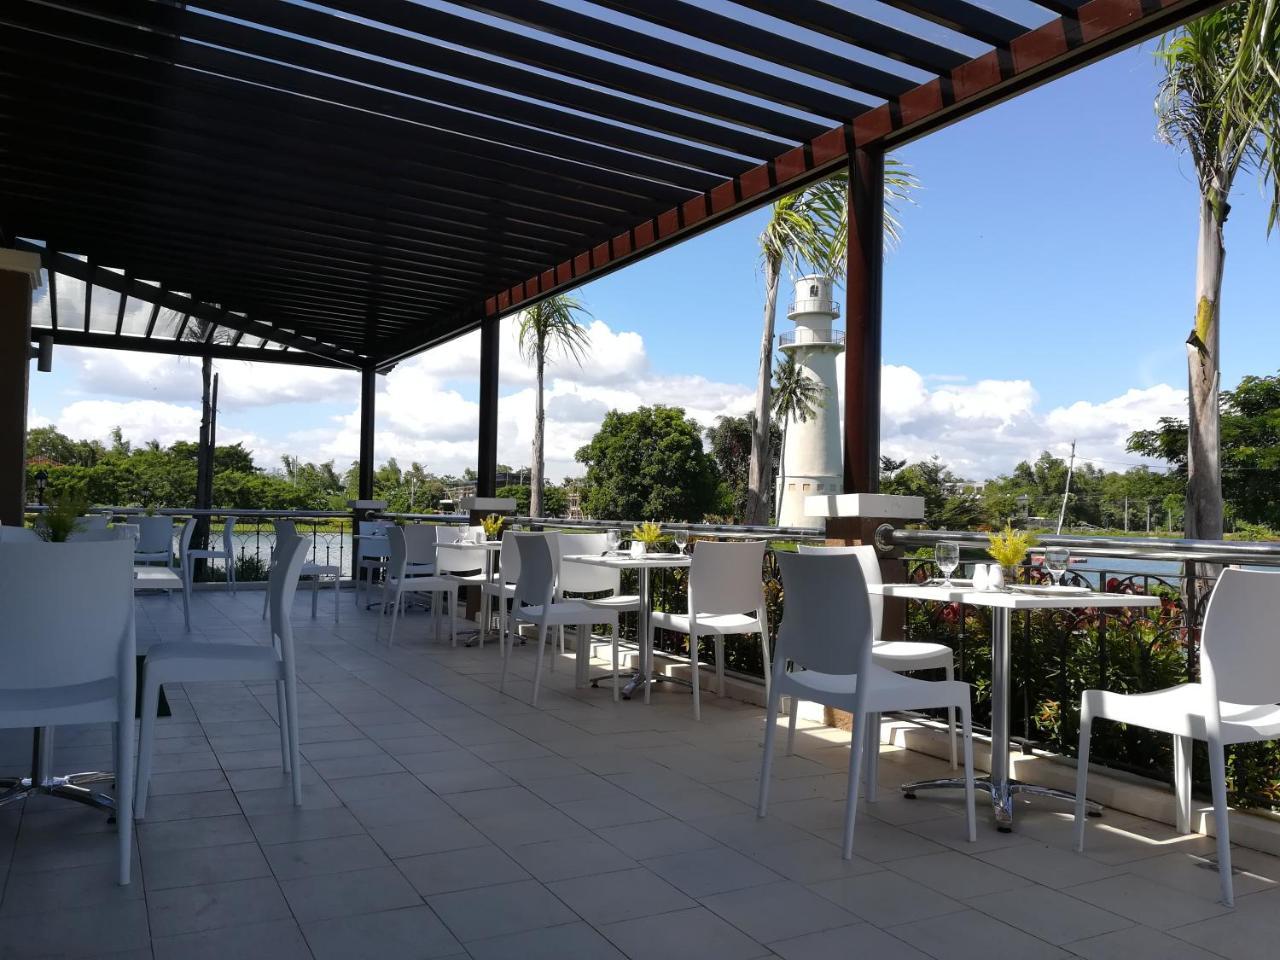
column 351, row 182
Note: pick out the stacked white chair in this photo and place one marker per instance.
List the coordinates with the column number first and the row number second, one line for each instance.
column 501, row 587
column 155, row 541
column 285, row 529
column 726, row 598
column 533, row 603
column 1236, row 701
column 824, row 655
column 900, row 656
column 371, row 553
column 15, row 534
column 414, row 547
column 227, row 554
column 464, row 568
column 188, row 662
column 68, row 648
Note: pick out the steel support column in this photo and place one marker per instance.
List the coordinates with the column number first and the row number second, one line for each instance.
column 863, row 322
column 19, row 275
column 368, row 397
column 487, row 454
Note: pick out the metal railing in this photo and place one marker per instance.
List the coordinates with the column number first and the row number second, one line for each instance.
column 801, row 337
column 814, row 305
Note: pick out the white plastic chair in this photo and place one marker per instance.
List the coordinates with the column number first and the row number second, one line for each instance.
column 371, row 553
column 1236, row 701
column 284, row 529
column 533, row 603
column 900, row 656
column 189, row 662
column 726, row 598
column 68, row 649
column 502, row 586
column 407, row 545
column 185, row 568
column 463, row 568
column 227, row 554
column 155, row 541
column 16, row 534
column 826, row 638
column 586, row 578
column 87, row 527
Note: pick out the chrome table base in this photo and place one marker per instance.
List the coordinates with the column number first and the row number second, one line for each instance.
column 73, row 786
column 1001, row 797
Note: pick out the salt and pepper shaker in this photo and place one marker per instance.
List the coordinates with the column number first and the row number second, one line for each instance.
column 980, row 581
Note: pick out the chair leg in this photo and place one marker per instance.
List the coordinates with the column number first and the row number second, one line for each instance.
column 871, row 788
column 337, row 595
column 124, row 793
column 537, row 670
column 266, row 599
column 315, row 594
column 231, row 573
column 1221, row 819
column 616, row 630
column 295, row 761
column 395, row 617
column 1182, row 782
column 766, row 764
column 1082, row 772
column 950, row 669
column 453, row 618
column 696, row 674
column 970, row 814
column 793, row 716
column 719, row 665
column 282, row 712
column 150, row 705
column 856, row 741
column 505, row 644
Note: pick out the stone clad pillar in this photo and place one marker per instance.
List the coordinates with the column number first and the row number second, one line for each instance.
column 19, row 276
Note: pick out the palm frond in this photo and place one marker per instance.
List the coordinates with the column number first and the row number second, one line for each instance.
column 796, row 395
column 554, row 324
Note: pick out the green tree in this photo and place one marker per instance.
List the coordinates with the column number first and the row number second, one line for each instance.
column 943, row 510
column 808, row 228
column 1219, row 101
column 796, row 396
column 730, row 441
column 549, row 325
column 555, row 501
column 649, row 464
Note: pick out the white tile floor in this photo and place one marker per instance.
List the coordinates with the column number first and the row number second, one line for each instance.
column 442, row 818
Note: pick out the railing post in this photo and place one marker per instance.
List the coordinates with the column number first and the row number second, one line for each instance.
column 19, row 276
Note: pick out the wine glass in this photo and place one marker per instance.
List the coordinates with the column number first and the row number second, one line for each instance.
column 947, row 555
column 1055, row 561
column 681, row 538
column 611, row 538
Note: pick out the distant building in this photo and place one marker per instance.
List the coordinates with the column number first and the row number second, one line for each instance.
column 957, row 488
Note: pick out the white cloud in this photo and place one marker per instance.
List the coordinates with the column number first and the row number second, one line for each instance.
column 427, row 411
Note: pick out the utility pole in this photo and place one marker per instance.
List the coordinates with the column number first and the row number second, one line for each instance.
column 1126, row 513
column 1062, row 514
column 1148, row 516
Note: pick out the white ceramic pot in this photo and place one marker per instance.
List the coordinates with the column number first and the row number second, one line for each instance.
column 995, row 577
column 637, row 549
column 980, row 581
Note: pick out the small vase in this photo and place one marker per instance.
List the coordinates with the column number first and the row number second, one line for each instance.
column 637, row 549
column 980, row 579
column 995, row 577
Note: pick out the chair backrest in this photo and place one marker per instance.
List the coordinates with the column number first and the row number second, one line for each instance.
column 726, row 577
column 398, row 558
column 420, row 541
column 155, row 534
column 826, row 620
column 1239, row 652
column 67, row 610
column 99, row 535
column 870, row 564
column 93, row 522
column 228, row 537
column 509, row 558
column 447, row 534
column 368, row 545
column 282, row 584
column 184, row 541
column 451, row 558
column 537, row 569
column 15, row 534
column 284, row 528
column 586, row 577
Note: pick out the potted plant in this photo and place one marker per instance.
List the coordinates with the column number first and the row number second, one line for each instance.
column 493, row 526
column 62, row 517
column 1009, row 548
column 644, row 536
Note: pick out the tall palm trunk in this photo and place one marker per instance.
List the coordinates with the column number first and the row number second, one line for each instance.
column 539, row 425
column 781, row 487
column 758, row 471
column 204, row 495
column 1204, row 474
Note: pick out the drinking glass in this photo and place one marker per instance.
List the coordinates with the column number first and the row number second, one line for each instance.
column 1055, row 561
column 611, row 538
column 948, row 557
column 682, row 540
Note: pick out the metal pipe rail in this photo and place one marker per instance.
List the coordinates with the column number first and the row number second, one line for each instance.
column 1152, row 548
column 717, row 529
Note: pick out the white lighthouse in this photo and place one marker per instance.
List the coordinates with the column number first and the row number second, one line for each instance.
column 812, row 463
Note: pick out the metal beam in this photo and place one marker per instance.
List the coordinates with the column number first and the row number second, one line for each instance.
column 368, row 399
column 184, row 348
column 487, row 452
column 972, row 21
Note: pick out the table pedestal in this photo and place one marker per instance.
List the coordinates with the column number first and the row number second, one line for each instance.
column 73, row 786
column 1001, row 788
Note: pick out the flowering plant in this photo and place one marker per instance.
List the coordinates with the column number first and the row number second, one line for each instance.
column 648, row 533
column 1009, row 547
column 492, row 526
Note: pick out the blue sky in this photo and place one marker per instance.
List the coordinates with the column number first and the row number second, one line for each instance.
column 1042, row 293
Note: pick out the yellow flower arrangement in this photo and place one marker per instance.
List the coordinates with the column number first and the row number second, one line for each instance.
column 1009, row 547
column 492, row 526
column 648, row 533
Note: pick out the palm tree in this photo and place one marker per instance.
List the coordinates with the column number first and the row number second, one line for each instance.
column 809, row 227
column 796, row 396
column 1220, row 101
column 549, row 325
